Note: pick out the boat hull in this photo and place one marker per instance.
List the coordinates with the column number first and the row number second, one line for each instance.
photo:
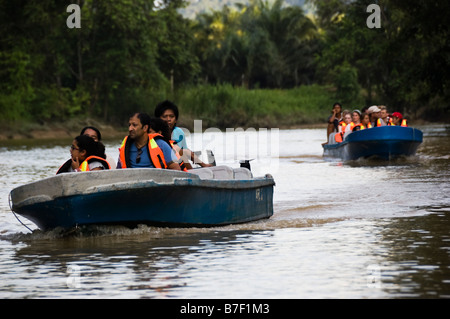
column 185, row 201
column 386, row 142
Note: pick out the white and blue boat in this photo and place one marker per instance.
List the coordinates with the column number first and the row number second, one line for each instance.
column 202, row 197
column 384, row 142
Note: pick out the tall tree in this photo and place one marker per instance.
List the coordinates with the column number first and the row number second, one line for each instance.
column 399, row 64
column 260, row 44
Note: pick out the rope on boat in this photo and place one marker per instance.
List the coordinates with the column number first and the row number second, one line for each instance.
column 10, row 207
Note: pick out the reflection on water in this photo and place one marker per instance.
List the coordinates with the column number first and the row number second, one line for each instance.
column 417, row 257
column 364, row 229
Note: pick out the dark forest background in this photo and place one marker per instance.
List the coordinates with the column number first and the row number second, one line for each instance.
column 233, row 63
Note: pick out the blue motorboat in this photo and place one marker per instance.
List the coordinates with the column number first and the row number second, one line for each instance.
column 203, row 197
column 384, row 142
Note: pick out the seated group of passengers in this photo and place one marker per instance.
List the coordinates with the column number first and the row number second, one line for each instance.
column 151, row 142
column 342, row 122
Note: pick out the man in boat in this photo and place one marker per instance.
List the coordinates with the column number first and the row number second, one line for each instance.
column 384, row 117
column 168, row 112
column 374, row 114
column 141, row 149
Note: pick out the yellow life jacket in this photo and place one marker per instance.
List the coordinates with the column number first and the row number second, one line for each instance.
column 404, row 123
column 84, row 166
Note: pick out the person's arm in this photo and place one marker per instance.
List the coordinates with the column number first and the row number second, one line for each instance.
column 174, row 166
column 198, row 161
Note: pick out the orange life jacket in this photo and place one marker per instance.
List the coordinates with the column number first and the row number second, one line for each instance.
column 352, row 126
column 155, row 153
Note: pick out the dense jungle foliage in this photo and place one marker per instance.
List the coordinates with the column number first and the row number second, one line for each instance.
column 253, row 63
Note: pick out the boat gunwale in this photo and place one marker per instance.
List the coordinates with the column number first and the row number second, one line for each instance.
column 32, row 193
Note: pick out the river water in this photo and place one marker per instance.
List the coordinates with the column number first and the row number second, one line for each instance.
column 364, row 229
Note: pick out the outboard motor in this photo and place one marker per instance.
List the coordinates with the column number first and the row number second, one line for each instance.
column 211, row 157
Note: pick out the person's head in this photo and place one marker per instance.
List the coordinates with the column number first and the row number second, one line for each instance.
column 160, row 126
column 92, row 132
column 374, row 112
column 383, row 113
column 347, row 118
column 84, row 146
column 168, row 112
column 138, row 125
column 356, row 116
column 365, row 119
column 337, row 108
column 397, row 118
column 364, row 109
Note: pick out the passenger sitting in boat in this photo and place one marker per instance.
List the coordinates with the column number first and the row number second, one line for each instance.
column 398, row 120
column 384, row 117
column 159, row 126
column 355, row 125
column 94, row 133
column 346, row 122
column 334, row 119
column 141, row 149
column 374, row 113
column 168, row 112
column 86, row 155
column 365, row 122
column 364, row 110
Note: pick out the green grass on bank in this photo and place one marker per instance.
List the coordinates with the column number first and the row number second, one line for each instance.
column 220, row 106
column 225, row 106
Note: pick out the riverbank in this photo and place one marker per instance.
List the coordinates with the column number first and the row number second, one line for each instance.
column 72, row 128
column 56, row 130
column 218, row 106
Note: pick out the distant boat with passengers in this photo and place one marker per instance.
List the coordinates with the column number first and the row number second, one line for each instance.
column 384, row 142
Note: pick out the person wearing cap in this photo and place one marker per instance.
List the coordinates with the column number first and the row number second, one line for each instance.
column 398, row 120
column 374, row 113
